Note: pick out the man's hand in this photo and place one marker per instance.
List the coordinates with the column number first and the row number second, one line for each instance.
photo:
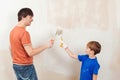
column 51, row 42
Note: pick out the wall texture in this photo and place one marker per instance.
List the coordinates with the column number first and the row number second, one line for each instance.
column 81, row 21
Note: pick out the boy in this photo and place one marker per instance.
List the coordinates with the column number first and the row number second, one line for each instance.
column 90, row 65
column 21, row 47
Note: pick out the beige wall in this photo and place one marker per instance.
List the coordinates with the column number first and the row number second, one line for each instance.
column 81, row 20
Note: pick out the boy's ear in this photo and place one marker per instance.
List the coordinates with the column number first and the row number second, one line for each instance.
column 92, row 51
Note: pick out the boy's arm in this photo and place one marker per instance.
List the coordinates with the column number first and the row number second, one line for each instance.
column 94, row 77
column 70, row 53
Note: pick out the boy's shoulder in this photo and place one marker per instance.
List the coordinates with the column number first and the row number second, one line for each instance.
column 82, row 57
column 96, row 62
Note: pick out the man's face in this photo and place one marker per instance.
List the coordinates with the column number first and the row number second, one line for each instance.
column 28, row 19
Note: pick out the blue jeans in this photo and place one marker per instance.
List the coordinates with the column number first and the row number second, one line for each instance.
column 25, row 72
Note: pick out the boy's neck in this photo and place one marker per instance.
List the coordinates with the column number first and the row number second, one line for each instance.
column 92, row 56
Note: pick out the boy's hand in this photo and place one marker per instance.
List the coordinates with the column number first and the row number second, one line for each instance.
column 62, row 44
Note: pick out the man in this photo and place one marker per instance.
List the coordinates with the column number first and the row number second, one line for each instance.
column 21, row 48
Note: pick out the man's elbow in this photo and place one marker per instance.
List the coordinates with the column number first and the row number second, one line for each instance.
column 30, row 54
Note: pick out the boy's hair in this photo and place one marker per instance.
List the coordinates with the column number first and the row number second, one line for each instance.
column 24, row 12
column 95, row 46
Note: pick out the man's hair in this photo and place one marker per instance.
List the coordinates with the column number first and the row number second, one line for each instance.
column 95, row 46
column 24, row 12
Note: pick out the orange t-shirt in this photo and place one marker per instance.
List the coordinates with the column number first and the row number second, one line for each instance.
column 19, row 37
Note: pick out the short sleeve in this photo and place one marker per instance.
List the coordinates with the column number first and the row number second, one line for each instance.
column 96, row 69
column 82, row 57
column 26, row 38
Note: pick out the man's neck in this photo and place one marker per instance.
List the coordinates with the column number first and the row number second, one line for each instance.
column 21, row 24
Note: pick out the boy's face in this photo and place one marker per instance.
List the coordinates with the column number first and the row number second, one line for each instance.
column 89, row 51
column 27, row 20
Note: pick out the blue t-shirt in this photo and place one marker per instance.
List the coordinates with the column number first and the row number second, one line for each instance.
column 88, row 68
